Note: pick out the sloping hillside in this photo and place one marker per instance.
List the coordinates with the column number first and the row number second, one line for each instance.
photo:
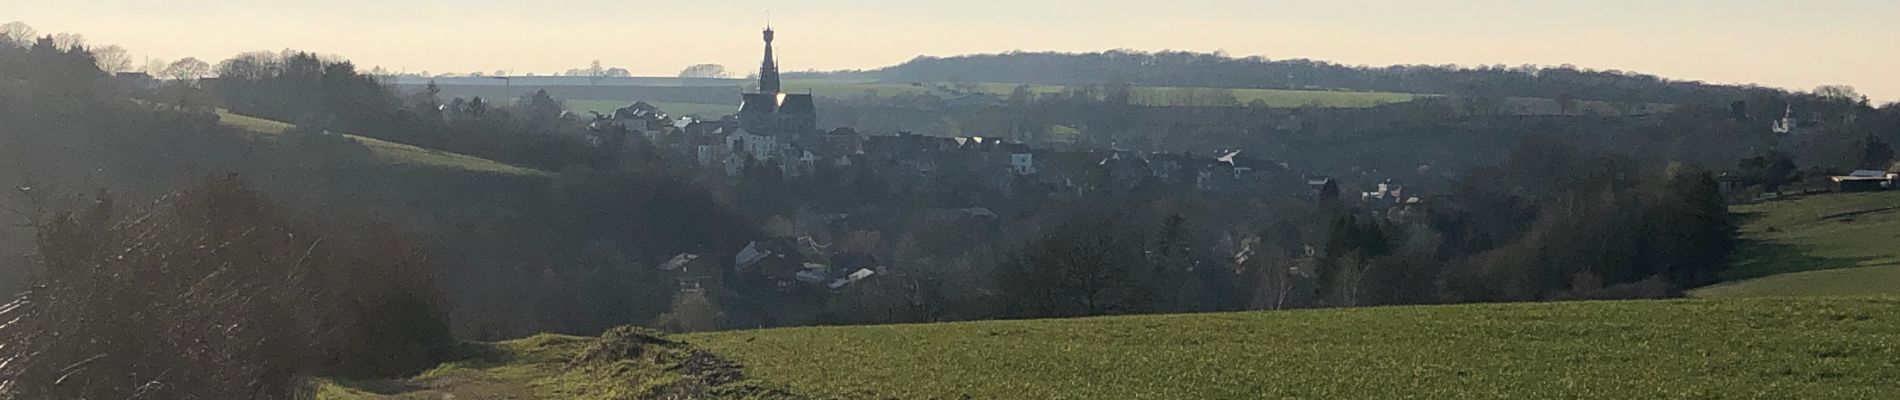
column 386, row 151
column 1831, row 244
column 1737, row 348
column 1766, row 348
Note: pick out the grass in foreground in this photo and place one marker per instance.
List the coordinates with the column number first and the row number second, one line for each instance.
column 386, row 151
column 1830, row 244
column 627, row 363
column 1737, row 348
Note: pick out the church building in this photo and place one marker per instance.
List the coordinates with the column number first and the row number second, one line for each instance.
column 771, row 111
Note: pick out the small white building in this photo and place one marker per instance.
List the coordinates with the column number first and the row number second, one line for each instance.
column 760, row 148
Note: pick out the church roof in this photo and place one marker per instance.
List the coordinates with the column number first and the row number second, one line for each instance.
column 797, row 104
column 757, row 103
column 777, row 103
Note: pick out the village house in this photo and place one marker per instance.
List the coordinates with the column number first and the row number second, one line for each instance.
column 1865, row 181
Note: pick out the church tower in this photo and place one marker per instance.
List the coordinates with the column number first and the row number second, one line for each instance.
column 768, row 70
column 771, row 111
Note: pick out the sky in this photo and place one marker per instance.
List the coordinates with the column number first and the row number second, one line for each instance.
column 1796, row 44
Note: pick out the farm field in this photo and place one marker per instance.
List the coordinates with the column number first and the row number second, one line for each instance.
column 1815, row 348
column 1773, row 348
column 386, row 151
column 1144, row 95
column 1829, row 244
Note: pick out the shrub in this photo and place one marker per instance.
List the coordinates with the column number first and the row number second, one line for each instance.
column 215, row 292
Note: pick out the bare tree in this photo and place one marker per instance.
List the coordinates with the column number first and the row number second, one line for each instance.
column 1272, row 273
column 1081, row 267
column 187, row 69
column 251, row 65
column 112, row 59
column 68, row 41
column 1837, row 92
column 595, row 72
column 705, row 71
column 692, row 312
column 1349, row 280
column 18, row 33
column 156, row 66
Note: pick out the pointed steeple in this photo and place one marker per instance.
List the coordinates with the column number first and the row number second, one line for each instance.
column 768, row 69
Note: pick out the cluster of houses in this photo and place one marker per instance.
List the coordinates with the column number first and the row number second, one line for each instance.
column 789, row 264
column 1865, row 181
column 776, row 130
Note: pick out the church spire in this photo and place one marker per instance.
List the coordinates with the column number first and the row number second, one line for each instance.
column 768, row 70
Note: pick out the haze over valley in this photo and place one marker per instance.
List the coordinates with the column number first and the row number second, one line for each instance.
column 850, row 199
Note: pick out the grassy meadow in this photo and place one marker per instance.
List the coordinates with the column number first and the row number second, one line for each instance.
column 1813, row 348
column 1744, row 348
column 1144, row 95
column 1829, row 244
column 386, row 151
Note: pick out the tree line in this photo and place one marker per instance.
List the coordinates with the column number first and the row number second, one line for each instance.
column 140, row 277
column 1552, row 223
column 1180, row 68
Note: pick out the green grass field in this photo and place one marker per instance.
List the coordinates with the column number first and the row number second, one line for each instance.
column 386, row 151
column 524, row 368
column 1829, row 244
column 1759, row 348
column 1151, row 96
column 1810, row 348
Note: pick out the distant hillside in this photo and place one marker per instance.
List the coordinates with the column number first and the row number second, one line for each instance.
column 728, row 95
column 1825, row 245
column 386, row 151
column 1186, row 69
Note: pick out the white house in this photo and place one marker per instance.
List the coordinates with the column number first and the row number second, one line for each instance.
column 760, row 148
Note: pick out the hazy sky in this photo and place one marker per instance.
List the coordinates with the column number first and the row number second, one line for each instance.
column 1783, row 43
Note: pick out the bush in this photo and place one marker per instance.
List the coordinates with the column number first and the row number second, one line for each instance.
column 216, row 293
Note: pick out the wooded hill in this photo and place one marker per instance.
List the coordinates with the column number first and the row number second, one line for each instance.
column 1190, row 69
